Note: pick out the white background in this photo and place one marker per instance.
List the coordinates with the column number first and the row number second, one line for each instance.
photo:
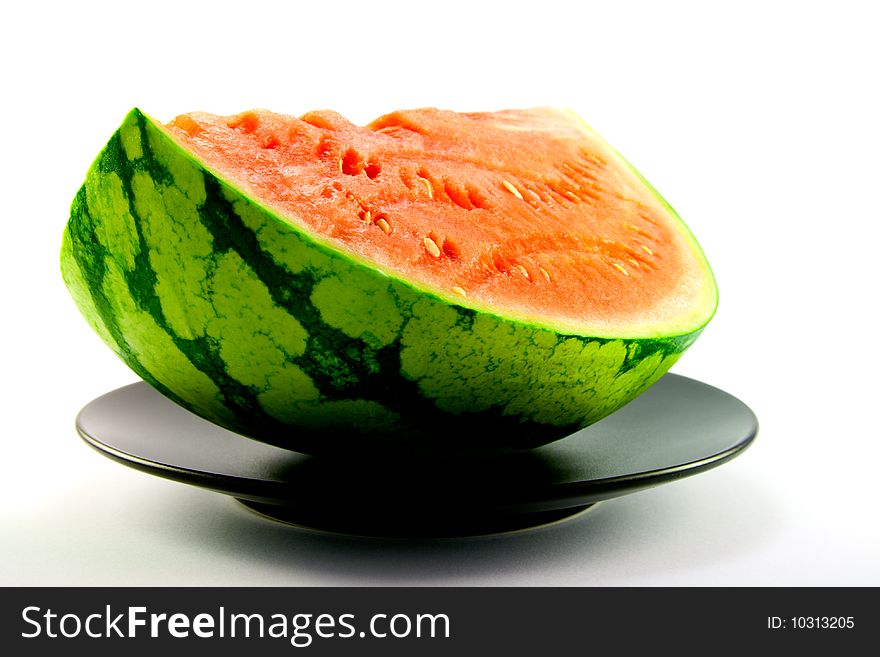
column 758, row 122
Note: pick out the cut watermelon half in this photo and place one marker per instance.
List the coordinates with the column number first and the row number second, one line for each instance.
column 433, row 280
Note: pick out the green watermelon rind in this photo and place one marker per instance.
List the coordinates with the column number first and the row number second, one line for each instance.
column 257, row 325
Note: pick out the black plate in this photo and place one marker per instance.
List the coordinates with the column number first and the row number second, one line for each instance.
column 678, row 428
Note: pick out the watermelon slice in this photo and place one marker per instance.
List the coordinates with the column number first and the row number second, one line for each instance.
column 433, row 280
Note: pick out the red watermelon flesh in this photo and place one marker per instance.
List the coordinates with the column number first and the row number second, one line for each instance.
column 528, row 213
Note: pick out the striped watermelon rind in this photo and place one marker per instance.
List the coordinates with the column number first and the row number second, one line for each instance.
column 259, row 326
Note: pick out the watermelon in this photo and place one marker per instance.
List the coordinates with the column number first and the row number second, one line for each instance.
column 433, row 281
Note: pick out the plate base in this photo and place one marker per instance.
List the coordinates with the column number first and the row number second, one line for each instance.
column 677, row 428
column 427, row 526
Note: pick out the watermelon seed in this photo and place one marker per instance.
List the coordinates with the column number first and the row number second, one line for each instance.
column 546, row 275
column 586, row 191
column 644, row 215
column 457, row 196
column 571, row 196
column 646, row 249
column 536, row 198
column 522, row 270
column 373, row 169
column 634, row 263
column 428, row 187
column 384, row 225
column 450, row 249
column 476, row 198
column 513, row 190
column 592, row 157
column 270, row 143
column 351, row 163
column 432, row 247
column 621, row 269
column 581, row 172
column 368, row 217
column 459, row 291
column 635, row 229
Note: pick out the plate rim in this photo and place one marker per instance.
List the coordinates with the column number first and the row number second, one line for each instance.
column 556, row 495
